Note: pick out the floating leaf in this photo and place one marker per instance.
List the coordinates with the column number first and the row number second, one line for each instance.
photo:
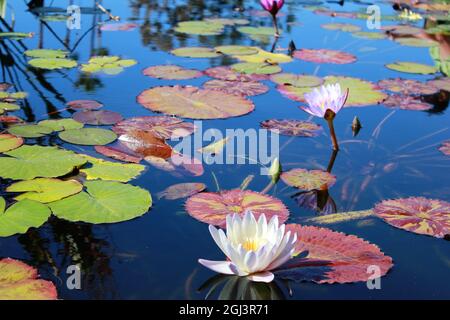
column 445, row 148
column 9, row 142
column 402, row 30
column 417, row 214
column 369, row 35
column 46, row 53
column 406, row 86
column 104, row 202
column 248, row 88
column 128, row 26
column 228, row 22
column 235, row 50
column 216, row 147
column 203, row 28
column 412, row 67
column 341, row 217
column 346, row 27
column 324, row 56
column 361, row 92
column 177, row 163
column 97, row 117
column 292, row 127
column 181, row 190
column 117, row 154
column 15, row 35
column 61, row 124
column 256, row 68
column 296, row 80
column 212, row 208
column 441, row 83
column 257, row 31
column 145, row 144
column 19, row 281
column 29, row 162
column 111, row 65
column 29, row 130
column 5, row 106
column 195, row 103
column 52, row 63
column 263, row 56
column 88, row 136
column 84, row 104
column 10, row 119
column 162, row 127
column 195, row 52
column 406, row 103
column 171, row 72
column 20, row 217
column 332, row 257
column 112, row 171
column 308, row 179
column 45, row 190
column 228, row 74
column 416, row 42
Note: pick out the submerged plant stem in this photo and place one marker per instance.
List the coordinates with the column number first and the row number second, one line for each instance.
column 333, row 135
column 275, row 25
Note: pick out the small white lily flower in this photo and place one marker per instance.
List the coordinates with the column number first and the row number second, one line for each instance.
column 253, row 248
column 327, row 97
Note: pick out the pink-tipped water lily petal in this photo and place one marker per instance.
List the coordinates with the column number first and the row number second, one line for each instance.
column 265, row 276
column 224, row 267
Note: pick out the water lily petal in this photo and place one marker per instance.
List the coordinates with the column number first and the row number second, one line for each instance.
column 265, row 276
column 224, row 267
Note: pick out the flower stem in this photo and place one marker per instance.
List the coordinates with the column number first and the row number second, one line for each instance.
column 333, row 134
column 275, row 25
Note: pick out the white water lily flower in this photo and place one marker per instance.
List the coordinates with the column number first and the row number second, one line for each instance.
column 253, row 248
column 327, row 97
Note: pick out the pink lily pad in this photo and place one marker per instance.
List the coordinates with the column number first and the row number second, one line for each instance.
column 84, row 104
column 324, row 56
column 247, row 88
column 97, row 117
column 118, row 154
column 228, row 74
column 181, row 190
column 308, row 179
column 406, row 86
column 406, row 103
column 172, row 72
column 296, row 128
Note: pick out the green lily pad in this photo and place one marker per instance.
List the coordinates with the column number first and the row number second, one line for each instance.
column 346, row 27
column 416, row 42
column 195, row 52
column 104, row 202
column 235, row 50
column 22, row 216
column 9, row 142
column 61, row 124
column 5, row 106
column 16, row 35
column 52, row 63
column 369, row 35
column 29, row 162
column 88, row 136
column 13, row 95
column 263, row 56
column 29, row 130
column 45, row 190
column 260, row 31
column 204, row 28
column 111, row 65
column 412, row 67
column 46, row 53
column 296, row 80
column 256, row 68
column 112, row 171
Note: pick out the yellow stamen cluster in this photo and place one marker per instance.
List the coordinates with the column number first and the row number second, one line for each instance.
column 250, row 245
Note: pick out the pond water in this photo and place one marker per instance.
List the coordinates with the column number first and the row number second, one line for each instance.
column 395, row 155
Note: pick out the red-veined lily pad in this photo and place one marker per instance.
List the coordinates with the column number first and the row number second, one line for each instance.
column 346, row 27
column 296, row 80
column 104, row 202
column 324, row 56
column 97, row 117
column 10, row 119
column 29, row 130
column 84, row 104
column 9, row 142
column 117, row 154
column 195, row 52
column 445, row 148
column 256, row 68
column 195, row 103
column 45, row 190
column 145, row 144
column 163, row 127
column 213, row 208
column 361, row 92
column 181, row 190
column 128, row 26
column 442, row 83
column 228, row 74
column 332, row 257
column 296, row 128
column 19, row 281
column 406, row 86
column 29, row 162
column 88, row 136
column 406, row 103
column 417, row 214
column 172, row 72
column 237, row 50
column 248, row 88
column 308, row 179
column 412, row 67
